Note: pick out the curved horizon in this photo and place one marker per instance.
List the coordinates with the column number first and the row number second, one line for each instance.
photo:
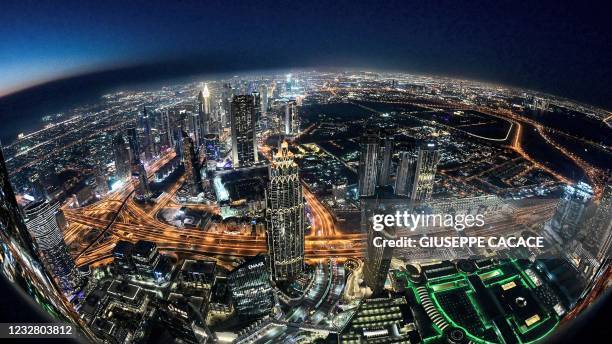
column 500, row 43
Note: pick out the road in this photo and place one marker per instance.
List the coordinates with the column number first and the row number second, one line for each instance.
column 134, row 221
column 140, row 222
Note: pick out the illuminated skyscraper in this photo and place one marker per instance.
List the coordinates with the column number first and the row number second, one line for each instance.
column 177, row 134
column 428, row 156
column 226, row 101
column 251, row 288
column 192, row 165
column 12, row 227
column 567, row 219
column 204, row 111
column 368, row 164
column 122, row 157
column 194, row 127
column 288, row 84
column 42, row 219
column 20, row 261
column 164, row 128
column 290, row 118
column 139, row 174
column 285, row 216
column 600, row 227
column 145, row 124
column 146, row 258
column 134, row 146
column 256, row 106
column 404, row 178
column 244, row 143
column 102, row 186
column 211, row 145
column 206, row 107
column 385, row 162
column 263, row 93
column 377, row 259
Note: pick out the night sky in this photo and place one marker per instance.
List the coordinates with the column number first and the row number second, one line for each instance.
column 551, row 46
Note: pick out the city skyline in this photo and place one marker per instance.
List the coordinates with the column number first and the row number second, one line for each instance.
column 444, row 38
column 312, row 172
column 240, row 209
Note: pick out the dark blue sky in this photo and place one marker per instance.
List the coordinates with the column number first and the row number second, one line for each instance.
column 553, row 46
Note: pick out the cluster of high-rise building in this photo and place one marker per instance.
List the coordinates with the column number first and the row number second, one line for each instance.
column 244, row 138
column 199, row 139
column 212, row 138
column 198, row 134
column 414, row 180
column 416, row 170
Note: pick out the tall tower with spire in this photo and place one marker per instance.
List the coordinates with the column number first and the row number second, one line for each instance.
column 206, row 99
column 205, row 110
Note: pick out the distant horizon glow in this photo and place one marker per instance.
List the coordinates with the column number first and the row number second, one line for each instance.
column 45, row 41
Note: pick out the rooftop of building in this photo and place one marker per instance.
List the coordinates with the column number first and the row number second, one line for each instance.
column 123, row 248
column 199, row 266
column 143, row 248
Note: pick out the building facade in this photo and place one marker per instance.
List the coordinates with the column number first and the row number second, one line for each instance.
column 425, row 173
column 244, row 141
column 192, row 166
column 368, row 164
column 42, row 221
column 122, row 157
column 386, row 151
column 569, row 213
column 251, row 288
column 139, row 174
column 285, row 216
column 404, row 178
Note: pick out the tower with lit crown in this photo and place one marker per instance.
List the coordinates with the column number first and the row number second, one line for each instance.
column 285, row 216
column 205, row 111
column 206, row 99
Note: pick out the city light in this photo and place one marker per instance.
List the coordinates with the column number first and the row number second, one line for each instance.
column 372, row 195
